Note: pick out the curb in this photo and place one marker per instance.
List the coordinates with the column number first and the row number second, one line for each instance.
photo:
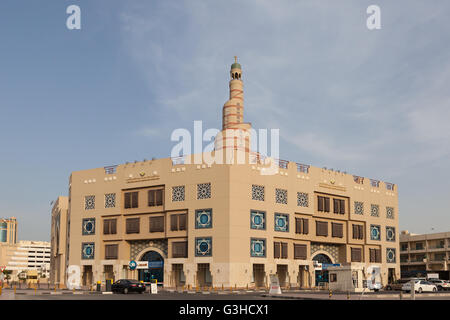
column 289, row 297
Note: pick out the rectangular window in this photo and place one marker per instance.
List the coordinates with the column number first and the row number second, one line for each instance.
column 378, row 255
column 300, row 251
column 174, row 222
column 336, row 205
column 298, row 226
column 131, row 199
column 111, row 251
column 110, row 226
column 356, row 254
column 322, row 228
column 276, row 250
column 342, row 206
column 179, row 249
column 337, row 230
column 157, row 224
column 155, row 198
column 358, row 232
column 280, row 250
column 375, row 255
column 327, row 204
column 305, row 224
column 132, row 225
column 320, row 203
column 182, row 221
column 339, row 206
column 178, row 222
column 333, row 277
column 284, row 250
column 301, row 226
column 323, row 204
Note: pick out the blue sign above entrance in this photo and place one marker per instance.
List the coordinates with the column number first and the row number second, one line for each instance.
column 327, row 265
column 155, row 264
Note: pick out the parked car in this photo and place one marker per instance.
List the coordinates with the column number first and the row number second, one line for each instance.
column 127, row 285
column 440, row 284
column 420, row 286
column 396, row 285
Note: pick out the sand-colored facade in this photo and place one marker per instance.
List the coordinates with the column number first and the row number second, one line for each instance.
column 241, row 226
column 58, row 240
column 421, row 254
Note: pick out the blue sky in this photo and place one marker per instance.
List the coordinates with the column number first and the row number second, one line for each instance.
column 372, row 103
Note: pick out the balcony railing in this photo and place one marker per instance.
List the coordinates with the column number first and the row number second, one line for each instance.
column 302, row 167
column 389, row 186
column 374, row 183
column 178, row 160
column 282, row 164
column 357, row 179
column 110, row 169
column 436, row 247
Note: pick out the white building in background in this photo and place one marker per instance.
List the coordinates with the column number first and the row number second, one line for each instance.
column 28, row 256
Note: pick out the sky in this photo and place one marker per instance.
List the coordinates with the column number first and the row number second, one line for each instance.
column 375, row 103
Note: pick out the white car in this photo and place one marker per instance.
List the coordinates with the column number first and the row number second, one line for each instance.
column 420, row 286
column 440, row 284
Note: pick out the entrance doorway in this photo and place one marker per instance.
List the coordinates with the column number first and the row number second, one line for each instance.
column 303, row 277
column 155, row 269
column 321, row 276
column 178, row 277
column 391, row 275
column 282, row 274
column 204, row 278
column 87, row 275
column 259, row 275
column 108, row 271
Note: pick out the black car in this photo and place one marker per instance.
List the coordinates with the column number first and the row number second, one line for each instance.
column 127, row 285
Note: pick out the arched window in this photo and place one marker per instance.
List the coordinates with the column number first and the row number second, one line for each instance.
column 322, row 258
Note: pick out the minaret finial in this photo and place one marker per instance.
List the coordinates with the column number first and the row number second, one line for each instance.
column 235, row 59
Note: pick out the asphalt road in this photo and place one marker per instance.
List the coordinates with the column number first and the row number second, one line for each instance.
column 162, row 295
column 8, row 294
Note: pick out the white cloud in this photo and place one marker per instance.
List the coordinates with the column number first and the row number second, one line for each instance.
column 376, row 102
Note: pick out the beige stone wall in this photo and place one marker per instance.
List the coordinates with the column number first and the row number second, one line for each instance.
column 58, row 240
column 231, row 202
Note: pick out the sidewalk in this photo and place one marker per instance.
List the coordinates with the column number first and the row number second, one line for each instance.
column 352, row 296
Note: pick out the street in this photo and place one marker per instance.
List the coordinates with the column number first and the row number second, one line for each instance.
column 30, row 294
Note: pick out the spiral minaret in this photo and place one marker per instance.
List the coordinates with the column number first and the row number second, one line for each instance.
column 233, row 125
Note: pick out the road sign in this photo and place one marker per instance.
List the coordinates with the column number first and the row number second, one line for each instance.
column 154, row 288
column 132, row 265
